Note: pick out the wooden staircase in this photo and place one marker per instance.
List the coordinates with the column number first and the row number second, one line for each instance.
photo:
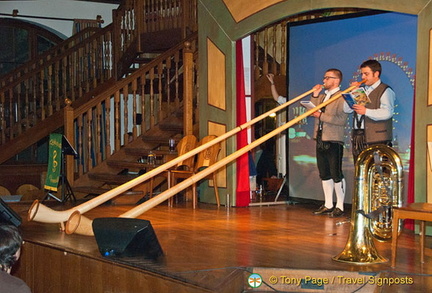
column 132, row 162
column 101, row 120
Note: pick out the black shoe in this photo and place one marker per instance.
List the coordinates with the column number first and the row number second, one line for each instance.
column 336, row 213
column 323, row 210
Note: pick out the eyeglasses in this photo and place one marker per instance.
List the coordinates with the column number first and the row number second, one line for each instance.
column 328, row 77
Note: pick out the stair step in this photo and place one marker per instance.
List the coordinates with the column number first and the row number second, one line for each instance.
column 120, row 164
column 140, row 152
column 112, row 178
column 99, row 190
column 160, row 140
column 174, row 124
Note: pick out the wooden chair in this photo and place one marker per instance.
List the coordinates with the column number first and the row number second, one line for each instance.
column 29, row 191
column 4, row 191
column 186, row 144
column 416, row 211
column 205, row 158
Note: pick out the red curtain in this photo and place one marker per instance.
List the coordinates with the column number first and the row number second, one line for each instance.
column 409, row 224
column 242, row 163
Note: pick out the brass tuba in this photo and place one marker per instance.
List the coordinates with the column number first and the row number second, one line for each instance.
column 377, row 189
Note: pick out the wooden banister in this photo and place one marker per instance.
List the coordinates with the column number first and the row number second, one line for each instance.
column 144, row 91
column 82, row 70
column 43, row 58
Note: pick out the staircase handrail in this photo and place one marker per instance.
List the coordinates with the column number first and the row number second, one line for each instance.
column 45, row 57
column 85, row 123
column 52, row 61
column 40, row 91
column 133, row 76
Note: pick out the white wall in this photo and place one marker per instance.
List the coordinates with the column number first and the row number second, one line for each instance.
column 59, row 9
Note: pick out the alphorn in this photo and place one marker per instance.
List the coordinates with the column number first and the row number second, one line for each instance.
column 82, row 225
column 40, row 213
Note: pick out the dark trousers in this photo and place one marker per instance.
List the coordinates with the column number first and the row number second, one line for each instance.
column 329, row 160
column 358, row 143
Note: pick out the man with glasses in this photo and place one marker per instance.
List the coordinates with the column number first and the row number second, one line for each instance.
column 329, row 129
column 372, row 122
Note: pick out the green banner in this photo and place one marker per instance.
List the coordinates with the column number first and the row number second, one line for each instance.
column 54, row 161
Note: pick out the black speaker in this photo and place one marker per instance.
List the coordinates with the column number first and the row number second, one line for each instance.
column 126, row 237
column 8, row 215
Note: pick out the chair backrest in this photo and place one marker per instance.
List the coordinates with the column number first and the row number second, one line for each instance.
column 208, row 156
column 4, row 191
column 186, row 144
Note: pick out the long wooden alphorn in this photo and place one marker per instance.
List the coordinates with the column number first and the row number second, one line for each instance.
column 41, row 213
column 79, row 224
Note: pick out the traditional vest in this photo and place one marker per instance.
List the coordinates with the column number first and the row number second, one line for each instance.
column 377, row 131
column 333, row 119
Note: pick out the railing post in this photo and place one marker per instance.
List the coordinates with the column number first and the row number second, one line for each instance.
column 69, row 134
column 116, row 44
column 185, row 17
column 188, row 89
column 139, row 12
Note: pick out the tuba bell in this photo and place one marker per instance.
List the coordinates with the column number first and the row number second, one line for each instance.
column 377, row 189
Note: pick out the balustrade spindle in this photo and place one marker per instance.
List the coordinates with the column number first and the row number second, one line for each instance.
column 125, row 114
column 42, row 95
column 116, row 134
column 57, row 92
column 144, row 116
column 257, row 72
column 27, row 107
column 89, row 138
column 177, row 78
column 49, row 91
column 108, row 127
column 160, row 73
column 274, row 49
column 266, row 41
column 134, row 108
column 98, row 137
column 283, row 48
column 18, row 123
column 152, row 98
column 81, row 151
column 168, row 83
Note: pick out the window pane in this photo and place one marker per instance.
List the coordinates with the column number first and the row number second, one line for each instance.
column 43, row 44
column 14, row 48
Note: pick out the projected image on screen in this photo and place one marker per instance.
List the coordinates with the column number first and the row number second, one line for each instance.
column 313, row 48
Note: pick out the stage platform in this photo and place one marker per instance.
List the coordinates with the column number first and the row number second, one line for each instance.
column 212, row 249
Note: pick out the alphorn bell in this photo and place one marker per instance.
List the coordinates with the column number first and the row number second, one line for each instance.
column 81, row 225
column 41, row 213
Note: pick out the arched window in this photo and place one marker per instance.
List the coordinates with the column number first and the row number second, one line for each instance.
column 21, row 41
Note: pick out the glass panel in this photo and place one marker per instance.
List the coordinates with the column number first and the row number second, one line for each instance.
column 22, row 49
column 14, row 48
column 43, row 44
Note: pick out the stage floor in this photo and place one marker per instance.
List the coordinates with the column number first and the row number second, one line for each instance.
column 207, row 245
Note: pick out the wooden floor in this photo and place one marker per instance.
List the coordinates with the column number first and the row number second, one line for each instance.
column 208, row 245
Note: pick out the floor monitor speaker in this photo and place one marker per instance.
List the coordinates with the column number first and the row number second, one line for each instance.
column 126, row 237
column 8, row 215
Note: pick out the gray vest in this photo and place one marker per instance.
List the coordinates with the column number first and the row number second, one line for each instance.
column 377, row 131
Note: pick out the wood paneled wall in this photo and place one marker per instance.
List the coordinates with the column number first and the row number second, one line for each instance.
column 50, row 270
